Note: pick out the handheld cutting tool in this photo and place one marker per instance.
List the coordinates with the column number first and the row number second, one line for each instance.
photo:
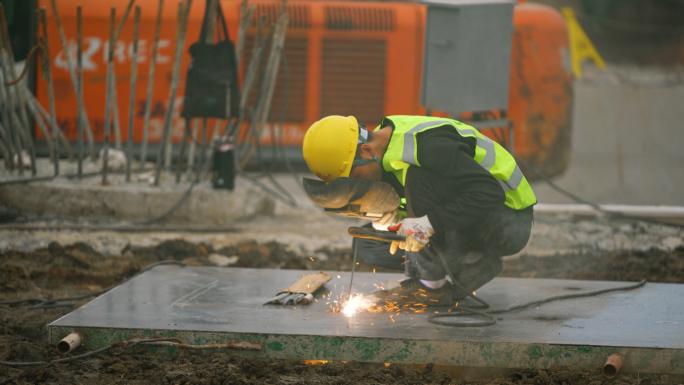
column 356, row 198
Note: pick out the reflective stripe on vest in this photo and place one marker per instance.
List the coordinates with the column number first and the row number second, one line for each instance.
column 485, row 155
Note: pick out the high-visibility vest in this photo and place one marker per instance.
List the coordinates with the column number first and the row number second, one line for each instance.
column 402, row 153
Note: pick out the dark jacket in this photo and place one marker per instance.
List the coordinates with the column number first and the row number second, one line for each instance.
column 472, row 192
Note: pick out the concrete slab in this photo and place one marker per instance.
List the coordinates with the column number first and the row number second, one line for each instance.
column 218, row 305
column 137, row 200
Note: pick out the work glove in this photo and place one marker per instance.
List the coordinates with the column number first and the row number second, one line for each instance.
column 390, row 219
column 417, row 232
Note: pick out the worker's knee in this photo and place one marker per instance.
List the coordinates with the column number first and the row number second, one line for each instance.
column 507, row 232
column 518, row 231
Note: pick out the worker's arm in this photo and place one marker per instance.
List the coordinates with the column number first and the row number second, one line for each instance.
column 471, row 191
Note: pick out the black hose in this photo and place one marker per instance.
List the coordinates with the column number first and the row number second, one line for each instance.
column 61, row 360
column 559, row 189
column 609, row 213
column 461, row 311
column 124, row 344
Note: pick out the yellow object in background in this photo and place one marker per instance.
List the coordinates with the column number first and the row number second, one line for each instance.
column 581, row 47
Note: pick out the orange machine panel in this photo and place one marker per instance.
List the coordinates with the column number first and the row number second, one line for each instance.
column 343, row 57
column 335, row 42
column 95, row 43
column 540, row 93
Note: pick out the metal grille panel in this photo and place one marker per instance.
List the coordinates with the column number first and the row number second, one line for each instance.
column 296, row 54
column 360, row 19
column 353, row 79
column 299, row 15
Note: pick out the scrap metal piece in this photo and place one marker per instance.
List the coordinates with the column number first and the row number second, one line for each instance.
column 301, row 292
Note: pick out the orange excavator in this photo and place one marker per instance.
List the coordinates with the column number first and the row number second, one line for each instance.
column 343, row 57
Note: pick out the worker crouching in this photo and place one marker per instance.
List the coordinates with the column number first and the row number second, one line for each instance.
column 461, row 192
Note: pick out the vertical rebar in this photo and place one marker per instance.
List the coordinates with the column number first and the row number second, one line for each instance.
column 40, row 117
column 9, row 119
column 131, row 103
column 269, row 81
column 213, row 9
column 115, row 109
column 115, row 97
column 24, row 129
column 168, row 152
column 181, row 154
column 273, row 64
column 150, row 86
column 208, row 39
column 79, row 83
column 183, row 144
column 36, row 108
column 70, row 67
column 45, row 65
column 250, row 78
column 246, row 15
column 6, row 130
column 123, row 18
column 6, row 146
column 202, row 149
column 3, row 148
column 191, row 152
column 108, row 95
column 183, row 12
column 242, row 29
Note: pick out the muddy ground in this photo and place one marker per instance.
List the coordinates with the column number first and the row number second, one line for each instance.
column 68, row 270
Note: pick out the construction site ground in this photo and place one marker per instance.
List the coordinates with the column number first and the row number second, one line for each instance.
column 52, row 262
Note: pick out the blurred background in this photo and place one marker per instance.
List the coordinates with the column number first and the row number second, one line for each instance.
column 610, row 133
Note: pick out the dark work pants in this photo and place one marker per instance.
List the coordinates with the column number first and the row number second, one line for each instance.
column 502, row 232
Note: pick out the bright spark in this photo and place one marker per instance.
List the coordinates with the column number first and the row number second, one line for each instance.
column 356, row 304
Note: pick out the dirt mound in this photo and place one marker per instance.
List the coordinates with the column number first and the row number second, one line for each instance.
column 653, row 266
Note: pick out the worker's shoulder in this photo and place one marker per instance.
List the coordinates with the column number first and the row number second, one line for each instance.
column 444, row 134
column 442, row 143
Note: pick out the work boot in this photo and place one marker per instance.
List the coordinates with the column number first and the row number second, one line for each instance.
column 412, row 292
column 473, row 276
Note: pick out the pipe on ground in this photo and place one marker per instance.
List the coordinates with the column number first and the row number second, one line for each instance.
column 69, row 343
column 667, row 214
column 613, row 365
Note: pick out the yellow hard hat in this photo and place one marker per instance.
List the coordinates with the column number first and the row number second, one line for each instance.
column 330, row 145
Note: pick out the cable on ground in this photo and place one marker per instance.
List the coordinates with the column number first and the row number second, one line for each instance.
column 123, row 344
column 608, row 213
column 462, row 311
